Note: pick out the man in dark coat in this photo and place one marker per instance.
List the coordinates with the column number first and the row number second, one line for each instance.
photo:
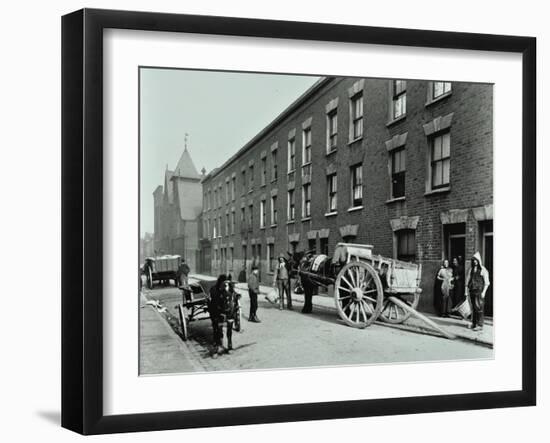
column 222, row 307
column 253, row 291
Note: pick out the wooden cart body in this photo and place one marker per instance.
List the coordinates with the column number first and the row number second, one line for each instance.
column 161, row 268
column 194, row 306
column 368, row 286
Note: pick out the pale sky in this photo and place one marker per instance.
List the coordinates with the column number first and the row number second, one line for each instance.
column 221, row 111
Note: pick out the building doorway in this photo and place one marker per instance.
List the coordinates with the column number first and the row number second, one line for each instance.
column 486, row 232
column 455, row 241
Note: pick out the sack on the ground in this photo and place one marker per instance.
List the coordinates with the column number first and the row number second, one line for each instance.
column 272, row 296
column 464, row 309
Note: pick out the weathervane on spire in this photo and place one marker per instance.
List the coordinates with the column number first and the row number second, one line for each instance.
column 186, row 138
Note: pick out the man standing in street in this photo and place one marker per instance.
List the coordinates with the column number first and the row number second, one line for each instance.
column 183, row 274
column 253, row 290
column 477, row 283
column 281, row 280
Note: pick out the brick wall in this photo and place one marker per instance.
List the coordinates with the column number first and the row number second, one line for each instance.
column 470, row 174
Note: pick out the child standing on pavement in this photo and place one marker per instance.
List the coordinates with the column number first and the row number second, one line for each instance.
column 253, row 290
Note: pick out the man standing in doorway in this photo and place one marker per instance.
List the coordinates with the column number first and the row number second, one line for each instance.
column 253, row 290
column 477, row 283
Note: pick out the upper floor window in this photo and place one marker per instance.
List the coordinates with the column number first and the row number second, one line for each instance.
column 250, row 216
column 332, row 188
column 356, row 173
column 399, row 98
column 251, row 178
column 306, row 201
column 440, row 160
column 306, row 151
column 263, row 171
column 440, row 88
column 332, row 130
column 262, row 214
column 291, row 159
column 356, row 120
column 227, row 191
column 274, row 210
column 233, row 188
column 291, row 205
column 232, row 222
column 398, row 172
column 244, row 184
column 274, row 165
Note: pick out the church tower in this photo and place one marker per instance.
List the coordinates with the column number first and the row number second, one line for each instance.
column 187, row 207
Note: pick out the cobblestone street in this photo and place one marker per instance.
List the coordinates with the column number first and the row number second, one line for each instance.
column 287, row 339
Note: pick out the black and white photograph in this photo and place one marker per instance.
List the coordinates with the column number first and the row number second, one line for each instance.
column 300, row 221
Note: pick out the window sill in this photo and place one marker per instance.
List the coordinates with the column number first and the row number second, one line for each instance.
column 396, row 199
column 262, row 228
column 306, row 164
column 441, row 97
column 304, row 219
column 437, row 191
column 355, row 208
column 263, row 185
column 333, row 151
column 290, row 222
column 396, row 120
column 291, row 172
column 274, row 225
column 331, row 214
column 250, row 191
column 355, row 140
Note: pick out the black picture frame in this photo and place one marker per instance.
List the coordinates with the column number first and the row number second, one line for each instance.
column 82, row 215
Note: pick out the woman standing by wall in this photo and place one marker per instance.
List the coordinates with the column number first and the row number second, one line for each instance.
column 445, row 275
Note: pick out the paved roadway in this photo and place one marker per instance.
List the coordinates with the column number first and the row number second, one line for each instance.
column 291, row 339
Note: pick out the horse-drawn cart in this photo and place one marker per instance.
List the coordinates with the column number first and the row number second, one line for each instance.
column 162, row 268
column 367, row 287
column 194, row 306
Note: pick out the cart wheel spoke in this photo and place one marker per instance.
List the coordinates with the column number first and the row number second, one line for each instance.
column 352, row 278
column 347, row 282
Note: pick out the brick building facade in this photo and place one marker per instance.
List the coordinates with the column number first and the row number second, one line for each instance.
column 404, row 166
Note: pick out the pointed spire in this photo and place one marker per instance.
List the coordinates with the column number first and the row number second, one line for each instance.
column 186, row 138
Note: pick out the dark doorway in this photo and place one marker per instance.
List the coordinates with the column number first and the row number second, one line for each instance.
column 486, row 231
column 455, row 241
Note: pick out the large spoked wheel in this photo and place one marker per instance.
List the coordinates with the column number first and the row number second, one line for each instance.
column 358, row 294
column 391, row 313
column 149, row 276
column 183, row 323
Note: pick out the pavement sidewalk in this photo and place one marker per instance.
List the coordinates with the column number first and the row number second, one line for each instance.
column 161, row 350
column 455, row 325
